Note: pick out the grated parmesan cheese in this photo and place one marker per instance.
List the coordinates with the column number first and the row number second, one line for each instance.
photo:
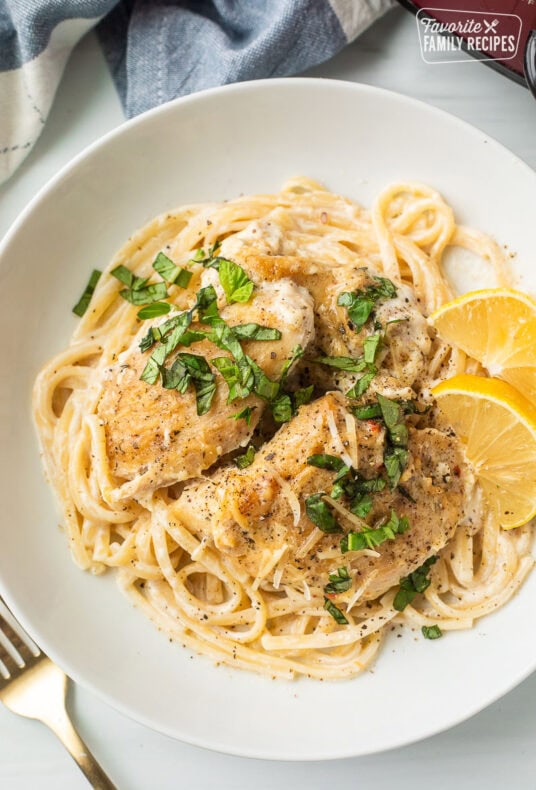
column 293, row 500
column 358, row 522
column 337, row 441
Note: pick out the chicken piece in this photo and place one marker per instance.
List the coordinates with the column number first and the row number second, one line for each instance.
column 407, row 341
column 249, row 515
column 154, row 436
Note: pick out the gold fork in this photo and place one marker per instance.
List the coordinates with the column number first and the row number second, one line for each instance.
column 32, row 686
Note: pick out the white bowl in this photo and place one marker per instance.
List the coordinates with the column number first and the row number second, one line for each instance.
column 239, row 139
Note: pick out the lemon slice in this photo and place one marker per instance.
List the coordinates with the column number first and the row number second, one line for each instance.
column 497, row 425
column 497, row 327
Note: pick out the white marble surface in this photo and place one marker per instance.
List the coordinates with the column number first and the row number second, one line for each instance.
column 493, row 749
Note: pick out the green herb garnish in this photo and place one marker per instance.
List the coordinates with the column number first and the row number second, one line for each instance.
column 431, row 632
column 320, row 514
column 393, row 417
column 326, row 461
column 151, row 370
column 416, row 582
column 339, row 582
column 370, row 412
column 154, row 310
column 360, row 304
column 264, row 387
column 362, row 505
column 395, row 460
column 369, row 538
column 83, row 303
column 239, row 378
column 372, row 345
column 247, row 459
column 256, row 332
column 336, row 613
column 282, row 408
column 302, row 396
column 363, row 383
column 191, row 367
column 207, row 259
column 170, row 272
column 138, row 292
column 343, row 363
column 235, row 282
column 245, row 414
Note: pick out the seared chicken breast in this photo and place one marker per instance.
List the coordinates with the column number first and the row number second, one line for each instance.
column 249, row 513
column 264, row 253
column 155, row 437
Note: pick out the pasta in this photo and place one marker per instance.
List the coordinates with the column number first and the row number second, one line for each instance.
column 274, row 620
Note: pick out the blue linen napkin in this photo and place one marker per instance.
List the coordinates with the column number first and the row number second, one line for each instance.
column 160, row 49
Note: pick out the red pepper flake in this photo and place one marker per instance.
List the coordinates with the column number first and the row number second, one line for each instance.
column 373, row 426
column 457, row 471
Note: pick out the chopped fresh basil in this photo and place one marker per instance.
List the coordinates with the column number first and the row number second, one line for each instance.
column 360, row 304
column 395, row 455
column 173, row 331
column 362, row 384
column 296, row 353
column 247, row 459
column 206, row 303
column 339, row 582
column 244, row 414
column 343, row 363
column 176, row 377
column 361, row 505
column 431, row 632
column 190, row 336
column 151, row 370
column 371, row 347
column 149, row 339
column 395, row 460
column 359, row 307
column 146, row 295
column 326, row 461
column 127, row 277
column 350, row 483
column 370, row 538
column 320, row 514
column 170, row 272
column 137, row 291
column 282, row 409
column 83, row 303
column 206, row 257
column 154, row 310
column 302, row 396
column 370, row 412
column 191, row 367
column 393, row 417
column 336, row 613
column 204, row 393
column 235, row 282
column 239, row 379
column 256, row 332
column 264, row 387
column 416, row 582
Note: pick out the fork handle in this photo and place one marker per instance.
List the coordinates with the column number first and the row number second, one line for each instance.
column 62, row 726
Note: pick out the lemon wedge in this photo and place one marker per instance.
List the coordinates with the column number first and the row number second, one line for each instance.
column 497, row 327
column 497, row 425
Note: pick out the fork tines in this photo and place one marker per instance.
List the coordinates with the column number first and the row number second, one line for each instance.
column 17, row 650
